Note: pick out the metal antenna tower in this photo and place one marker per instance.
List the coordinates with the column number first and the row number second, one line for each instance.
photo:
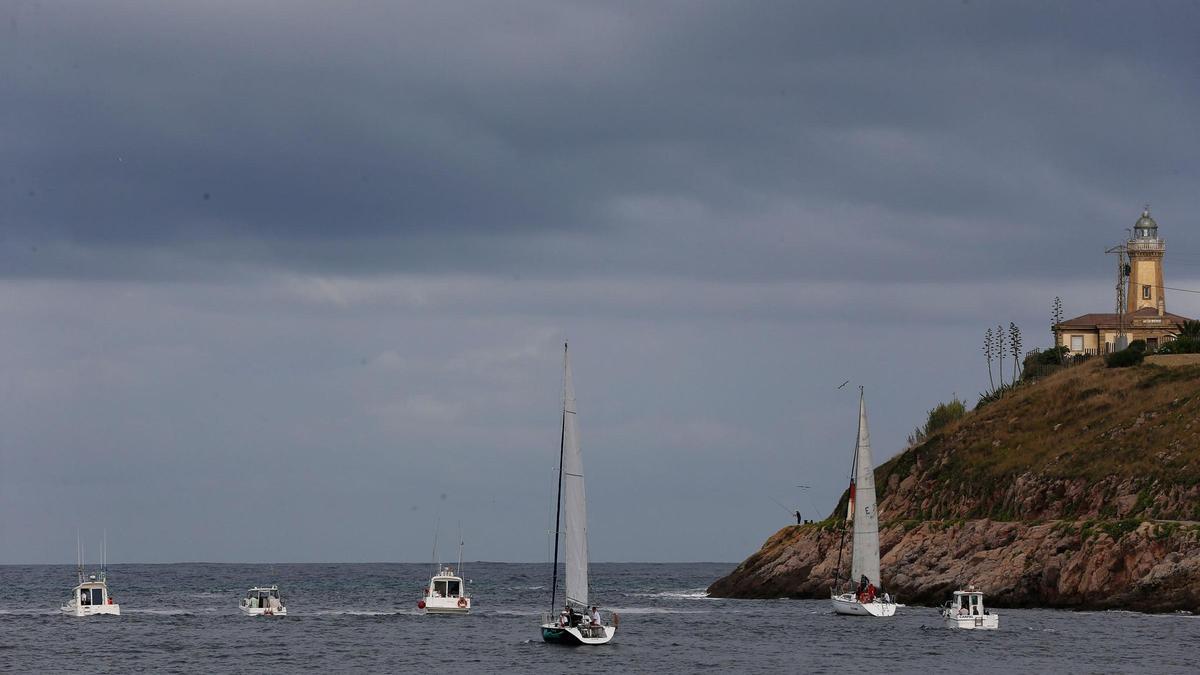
column 1122, row 274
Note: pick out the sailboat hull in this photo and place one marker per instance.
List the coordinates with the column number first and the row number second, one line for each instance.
column 556, row 634
column 849, row 605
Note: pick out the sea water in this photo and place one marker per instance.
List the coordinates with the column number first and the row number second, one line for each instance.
column 363, row 617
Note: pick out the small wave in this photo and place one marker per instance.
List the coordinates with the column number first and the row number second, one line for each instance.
column 690, row 594
column 654, row 610
column 357, row 612
column 31, row 611
column 159, row 612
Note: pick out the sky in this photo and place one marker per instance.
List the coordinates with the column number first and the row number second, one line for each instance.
column 289, row 281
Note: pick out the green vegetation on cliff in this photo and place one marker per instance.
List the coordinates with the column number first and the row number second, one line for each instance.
column 1084, row 441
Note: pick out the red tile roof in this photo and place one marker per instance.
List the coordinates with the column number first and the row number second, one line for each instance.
column 1093, row 321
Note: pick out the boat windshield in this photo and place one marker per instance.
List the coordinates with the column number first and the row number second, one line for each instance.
column 969, row 603
column 91, row 596
column 259, row 596
column 446, row 588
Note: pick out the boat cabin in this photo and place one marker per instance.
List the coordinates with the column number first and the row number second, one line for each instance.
column 445, row 584
column 263, row 598
column 967, row 603
column 92, row 592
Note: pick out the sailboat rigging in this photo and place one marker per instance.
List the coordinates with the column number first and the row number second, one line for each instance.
column 578, row 623
column 868, row 598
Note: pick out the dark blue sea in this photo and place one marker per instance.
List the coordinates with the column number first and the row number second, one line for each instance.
column 183, row 618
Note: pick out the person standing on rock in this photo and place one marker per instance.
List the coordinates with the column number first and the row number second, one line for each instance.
column 798, row 519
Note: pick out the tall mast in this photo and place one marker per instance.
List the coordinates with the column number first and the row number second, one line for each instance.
column 460, row 548
column 562, row 440
column 850, row 497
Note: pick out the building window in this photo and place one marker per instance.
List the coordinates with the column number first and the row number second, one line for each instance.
column 1145, row 292
column 1076, row 343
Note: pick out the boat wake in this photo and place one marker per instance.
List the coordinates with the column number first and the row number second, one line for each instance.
column 655, row 610
column 690, row 594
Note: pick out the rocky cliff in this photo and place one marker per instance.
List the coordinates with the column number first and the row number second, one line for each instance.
column 1081, row 490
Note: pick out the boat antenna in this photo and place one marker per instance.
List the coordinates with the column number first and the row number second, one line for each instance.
column 562, row 441
column 460, row 548
column 78, row 556
column 104, row 555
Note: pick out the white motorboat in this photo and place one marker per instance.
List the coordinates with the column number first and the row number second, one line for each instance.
column 578, row 623
column 966, row 610
column 263, row 601
column 446, row 594
column 91, row 596
column 867, row 598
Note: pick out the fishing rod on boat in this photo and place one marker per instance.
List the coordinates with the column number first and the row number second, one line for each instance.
column 436, row 526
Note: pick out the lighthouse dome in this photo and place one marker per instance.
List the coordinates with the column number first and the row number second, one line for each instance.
column 1145, row 227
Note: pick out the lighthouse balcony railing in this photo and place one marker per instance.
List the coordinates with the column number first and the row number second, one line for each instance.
column 1155, row 245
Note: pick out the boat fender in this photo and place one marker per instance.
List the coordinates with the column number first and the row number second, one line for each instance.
column 462, row 602
column 616, row 620
column 420, row 604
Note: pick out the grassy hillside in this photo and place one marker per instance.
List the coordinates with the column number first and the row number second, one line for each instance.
column 1085, row 441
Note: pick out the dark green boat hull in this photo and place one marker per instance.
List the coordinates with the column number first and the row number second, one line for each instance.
column 558, row 636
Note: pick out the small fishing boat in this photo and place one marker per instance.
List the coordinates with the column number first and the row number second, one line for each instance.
column 966, row 610
column 446, row 594
column 578, row 623
column 263, row 601
column 91, row 596
column 868, row 598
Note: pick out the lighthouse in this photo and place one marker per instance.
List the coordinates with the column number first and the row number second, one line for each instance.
column 1145, row 251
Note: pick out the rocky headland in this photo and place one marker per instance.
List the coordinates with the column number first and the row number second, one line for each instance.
column 1080, row 490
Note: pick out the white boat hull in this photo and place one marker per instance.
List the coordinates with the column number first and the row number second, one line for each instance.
column 90, row 610
column 437, row 605
column 849, row 605
column 552, row 632
column 970, row 622
column 263, row 611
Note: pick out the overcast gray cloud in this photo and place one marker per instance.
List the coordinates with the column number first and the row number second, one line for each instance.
column 341, row 246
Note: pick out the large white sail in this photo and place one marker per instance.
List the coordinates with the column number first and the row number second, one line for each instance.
column 574, row 499
column 865, row 559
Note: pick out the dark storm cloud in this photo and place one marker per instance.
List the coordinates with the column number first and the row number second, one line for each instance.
column 693, row 139
column 342, row 245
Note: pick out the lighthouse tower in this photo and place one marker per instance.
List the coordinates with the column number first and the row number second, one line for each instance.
column 1145, row 252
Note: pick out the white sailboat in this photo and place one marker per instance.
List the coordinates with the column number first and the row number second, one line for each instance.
column 578, row 623
column 862, row 594
column 91, row 596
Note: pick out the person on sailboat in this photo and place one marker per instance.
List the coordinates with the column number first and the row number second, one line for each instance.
column 595, row 616
column 564, row 619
